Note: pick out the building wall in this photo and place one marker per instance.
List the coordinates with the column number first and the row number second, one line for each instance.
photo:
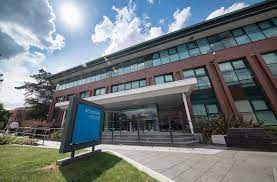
column 250, row 52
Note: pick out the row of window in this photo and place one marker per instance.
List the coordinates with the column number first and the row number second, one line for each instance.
column 129, row 85
column 239, row 36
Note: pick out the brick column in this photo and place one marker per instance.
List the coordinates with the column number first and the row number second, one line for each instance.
column 51, row 109
column 221, row 90
column 263, row 80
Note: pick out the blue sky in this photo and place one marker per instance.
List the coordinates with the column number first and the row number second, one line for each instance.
column 40, row 35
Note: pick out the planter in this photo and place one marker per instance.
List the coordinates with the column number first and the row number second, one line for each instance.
column 218, row 139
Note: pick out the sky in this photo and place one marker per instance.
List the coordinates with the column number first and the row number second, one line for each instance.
column 58, row 34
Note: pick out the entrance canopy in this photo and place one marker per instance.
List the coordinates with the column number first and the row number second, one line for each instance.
column 144, row 95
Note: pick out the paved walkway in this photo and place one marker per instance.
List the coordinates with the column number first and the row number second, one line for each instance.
column 203, row 163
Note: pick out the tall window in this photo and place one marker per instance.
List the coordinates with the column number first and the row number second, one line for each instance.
column 84, row 94
column 254, row 32
column 163, row 78
column 268, row 28
column 201, row 76
column 240, row 36
column 100, row 91
column 271, row 61
column 236, row 72
column 129, row 85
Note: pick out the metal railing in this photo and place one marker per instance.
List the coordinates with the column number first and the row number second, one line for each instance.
column 43, row 133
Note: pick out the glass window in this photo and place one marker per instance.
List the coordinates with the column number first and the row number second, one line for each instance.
column 59, row 99
column 121, row 87
column 84, row 94
column 240, row 37
column 200, row 72
column 140, row 66
column 103, row 76
column 199, row 110
column 212, row 109
column 165, row 60
column 193, row 49
column 69, row 97
column 189, row 74
column 227, row 39
column 120, row 71
column 142, row 83
column 215, row 43
column 204, row 45
column 100, row 91
column 271, row 61
column 173, row 54
column 259, row 105
column 135, row 84
column 268, row 28
column 274, row 20
column 115, row 88
column 164, row 53
column 203, row 82
column 114, row 72
column 238, row 64
column 168, row 78
column 254, row 32
column 109, row 74
column 182, row 51
column 225, row 67
column 127, row 69
column 97, row 77
column 128, row 86
column 148, row 64
column 157, row 62
column 159, row 79
column 134, row 67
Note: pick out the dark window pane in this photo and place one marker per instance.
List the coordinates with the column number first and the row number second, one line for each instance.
column 200, row 72
column 164, row 53
column 212, row 109
column 191, row 45
column 199, row 110
column 172, row 51
column 202, row 42
column 148, row 64
column 194, row 52
column 225, row 35
column 156, row 56
column 244, row 39
column 229, row 42
column 203, row 82
column 238, row 64
column 182, row 48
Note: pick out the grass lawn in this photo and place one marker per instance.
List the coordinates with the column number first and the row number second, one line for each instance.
column 19, row 163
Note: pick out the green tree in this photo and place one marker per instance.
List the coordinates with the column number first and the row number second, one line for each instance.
column 38, row 95
column 4, row 116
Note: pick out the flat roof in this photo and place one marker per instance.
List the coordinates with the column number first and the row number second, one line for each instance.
column 187, row 31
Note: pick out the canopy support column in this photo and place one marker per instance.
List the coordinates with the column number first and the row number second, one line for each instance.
column 188, row 113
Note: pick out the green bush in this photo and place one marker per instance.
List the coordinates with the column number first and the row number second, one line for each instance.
column 5, row 139
column 56, row 135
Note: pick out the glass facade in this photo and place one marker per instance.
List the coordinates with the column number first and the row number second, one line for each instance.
column 271, row 61
column 129, row 85
column 248, row 97
column 239, row 36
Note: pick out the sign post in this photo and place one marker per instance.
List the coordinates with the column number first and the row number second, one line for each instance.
column 83, row 128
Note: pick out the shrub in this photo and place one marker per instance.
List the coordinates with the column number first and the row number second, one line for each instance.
column 5, row 139
column 220, row 124
column 56, row 135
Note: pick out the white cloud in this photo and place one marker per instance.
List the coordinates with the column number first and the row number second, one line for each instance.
column 150, row 1
column 128, row 29
column 27, row 33
column 223, row 10
column 162, row 21
column 180, row 18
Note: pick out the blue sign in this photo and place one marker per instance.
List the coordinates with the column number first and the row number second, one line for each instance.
column 83, row 125
column 87, row 124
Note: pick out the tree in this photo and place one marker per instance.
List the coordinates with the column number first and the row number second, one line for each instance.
column 38, row 95
column 4, row 116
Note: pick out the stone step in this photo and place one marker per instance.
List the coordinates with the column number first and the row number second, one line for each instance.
column 151, row 139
